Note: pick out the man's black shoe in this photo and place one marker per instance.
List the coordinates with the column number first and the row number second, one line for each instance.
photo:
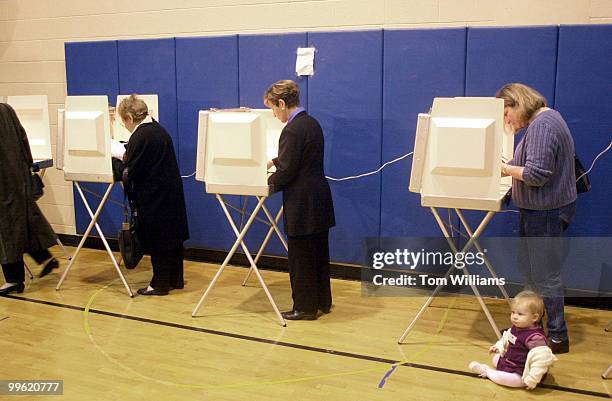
column 299, row 315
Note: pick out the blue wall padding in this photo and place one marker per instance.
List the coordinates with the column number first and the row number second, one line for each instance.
column 345, row 96
column 92, row 69
column 418, row 66
column 583, row 97
column 496, row 56
column 207, row 77
column 263, row 60
column 367, row 90
column 148, row 67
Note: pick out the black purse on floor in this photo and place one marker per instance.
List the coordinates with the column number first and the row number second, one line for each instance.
column 130, row 249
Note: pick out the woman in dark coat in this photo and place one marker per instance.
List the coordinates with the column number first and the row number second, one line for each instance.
column 154, row 186
column 23, row 227
column 307, row 201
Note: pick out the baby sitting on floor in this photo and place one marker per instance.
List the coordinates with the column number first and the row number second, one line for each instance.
column 522, row 356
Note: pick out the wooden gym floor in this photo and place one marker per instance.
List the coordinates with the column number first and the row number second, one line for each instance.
column 107, row 346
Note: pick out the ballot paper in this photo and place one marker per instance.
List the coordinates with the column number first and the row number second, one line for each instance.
column 117, row 149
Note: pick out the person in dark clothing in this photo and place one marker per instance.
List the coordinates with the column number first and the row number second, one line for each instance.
column 307, row 201
column 544, row 189
column 155, row 189
column 23, row 227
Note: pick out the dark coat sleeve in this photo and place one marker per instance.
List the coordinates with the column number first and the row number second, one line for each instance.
column 288, row 161
column 136, row 158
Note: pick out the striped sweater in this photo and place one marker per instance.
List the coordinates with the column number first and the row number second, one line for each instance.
column 547, row 153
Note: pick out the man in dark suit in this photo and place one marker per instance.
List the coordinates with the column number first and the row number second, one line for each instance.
column 307, row 201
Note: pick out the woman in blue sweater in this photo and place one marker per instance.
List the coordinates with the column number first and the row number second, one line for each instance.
column 544, row 190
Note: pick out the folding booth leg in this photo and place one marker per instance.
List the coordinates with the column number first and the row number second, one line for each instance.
column 66, row 254
column 27, row 269
column 94, row 219
column 239, row 241
column 486, row 260
column 273, row 228
column 467, row 246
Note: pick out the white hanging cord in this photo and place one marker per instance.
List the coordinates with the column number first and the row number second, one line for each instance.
column 190, row 175
column 371, row 172
column 593, row 164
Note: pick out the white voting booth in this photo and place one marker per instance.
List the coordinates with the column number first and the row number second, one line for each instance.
column 33, row 113
column 459, row 147
column 84, row 154
column 234, row 147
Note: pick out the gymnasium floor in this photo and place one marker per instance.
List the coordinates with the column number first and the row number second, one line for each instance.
column 107, row 346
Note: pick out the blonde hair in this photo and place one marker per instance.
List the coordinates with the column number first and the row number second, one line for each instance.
column 286, row 90
column 533, row 302
column 526, row 99
column 134, row 107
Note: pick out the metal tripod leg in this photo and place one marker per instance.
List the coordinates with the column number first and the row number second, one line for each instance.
column 607, row 372
column 27, row 269
column 94, row 219
column 486, row 260
column 485, row 221
column 239, row 241
column 273, row 228
column 66, row 254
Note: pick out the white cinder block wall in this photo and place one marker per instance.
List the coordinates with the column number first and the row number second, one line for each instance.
column 33, row 32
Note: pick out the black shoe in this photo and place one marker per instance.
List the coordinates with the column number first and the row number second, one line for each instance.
column 177, row 287
column 298, row 315
column 561, row 347
column 325, row 310
column 18, row 288
column 146, row 291
column 50, row 265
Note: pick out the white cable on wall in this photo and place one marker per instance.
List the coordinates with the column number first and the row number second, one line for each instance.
column 371, row 172
column 594, row 160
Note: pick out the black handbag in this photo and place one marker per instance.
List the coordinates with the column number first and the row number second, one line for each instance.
column 36, row 185
column 582, row 179
column 130, row 249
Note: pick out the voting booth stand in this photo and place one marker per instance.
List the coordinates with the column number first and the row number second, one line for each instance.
column 233, row 149
column 33, row 113
column 84, row 154
column 457, row 158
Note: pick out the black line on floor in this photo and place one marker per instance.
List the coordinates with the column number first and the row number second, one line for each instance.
column 291, row 345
